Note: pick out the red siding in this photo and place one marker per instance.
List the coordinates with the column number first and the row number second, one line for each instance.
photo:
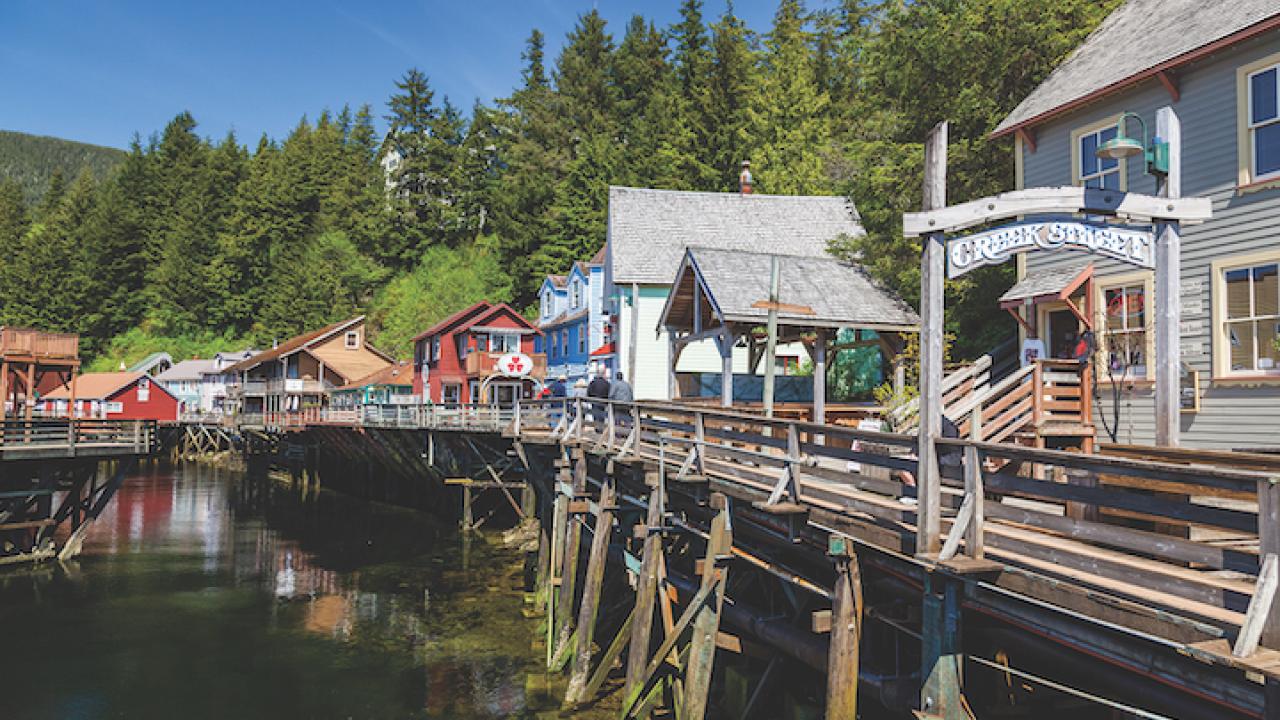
column 449, row 367
column 159, row 406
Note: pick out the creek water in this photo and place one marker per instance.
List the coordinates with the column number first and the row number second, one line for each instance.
column 208, row 593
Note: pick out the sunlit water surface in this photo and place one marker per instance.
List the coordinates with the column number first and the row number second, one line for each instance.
column 204, row 593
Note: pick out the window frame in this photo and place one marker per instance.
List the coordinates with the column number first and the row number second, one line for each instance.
column 575, row 293
column 351, row 340
column 582, row 339
column 1221, row 346
column 1101, row 285
column 1122, row 165
column 1246, row 157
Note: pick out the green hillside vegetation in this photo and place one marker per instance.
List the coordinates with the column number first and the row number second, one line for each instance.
column 33, row 160
column 192, row 241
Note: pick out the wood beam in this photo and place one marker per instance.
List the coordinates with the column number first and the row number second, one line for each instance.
column 1028, row 138
column 1170, row 86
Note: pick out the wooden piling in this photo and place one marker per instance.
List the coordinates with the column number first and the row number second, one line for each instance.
column 591, row 587
column 646, row 592
column 572, row 547
column 846, row 632
column 706, row 626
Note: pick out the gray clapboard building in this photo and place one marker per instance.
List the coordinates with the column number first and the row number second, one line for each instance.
column 1216, row 63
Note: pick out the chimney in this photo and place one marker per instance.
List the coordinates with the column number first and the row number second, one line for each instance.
column 744, row 178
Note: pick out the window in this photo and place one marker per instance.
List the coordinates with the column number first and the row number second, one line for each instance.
column 435, row 348
column 564, row 341
column 505, row 342
column 582, row 339
column 482, row 343
column 353, row 340
column 451, row 394
column 1264, row 124
column 1247, row 306
column 546, row 304
column 144, row 389
column 1124, row 329
column 577, row 293
column 1090, row 170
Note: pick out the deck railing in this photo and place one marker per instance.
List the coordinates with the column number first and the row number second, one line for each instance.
column 25, row 341
column 21, row 438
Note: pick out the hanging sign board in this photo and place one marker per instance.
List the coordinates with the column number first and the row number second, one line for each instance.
column 515, row 365
column 1133, row 245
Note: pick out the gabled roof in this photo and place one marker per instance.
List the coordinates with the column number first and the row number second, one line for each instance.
column 1047, row 284
column 187, row 370
column 1139, row 40
column 454, row 319
column 297, row 343
column 497, row 310
column 650, row 229
column 99, row 386
column 398, row 373
column 840, row 294
column 150, row 362
column 598, row 258
column 566, row 317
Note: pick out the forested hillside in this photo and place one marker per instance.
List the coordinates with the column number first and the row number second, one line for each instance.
column 195, row 242
column 33, row 160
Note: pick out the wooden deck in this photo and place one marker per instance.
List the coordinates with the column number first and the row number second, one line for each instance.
column 54, row 439
column 1157, row 566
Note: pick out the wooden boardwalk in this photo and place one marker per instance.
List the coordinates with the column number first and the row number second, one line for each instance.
column 1164, row 570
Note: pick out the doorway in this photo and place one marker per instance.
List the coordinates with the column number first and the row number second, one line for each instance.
column 1064, row 328
column 504, row 394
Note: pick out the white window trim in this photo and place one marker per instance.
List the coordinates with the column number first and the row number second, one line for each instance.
column 1100, row 286
column 575, row 293
column 1221, row 346
column 1122, row 164
column 1247, row 181
column 352, row 340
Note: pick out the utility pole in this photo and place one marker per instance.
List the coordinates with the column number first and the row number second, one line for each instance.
column 771, row 341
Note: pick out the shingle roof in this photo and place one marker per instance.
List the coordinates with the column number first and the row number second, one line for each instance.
column 840, row 294
column 650, row 229
column 293, row 344
column 1138, row 38
column 1050, row 281
column 187, row 370
column 398, row 373
column 566, row 317
column 96, row 386
column 453, row 319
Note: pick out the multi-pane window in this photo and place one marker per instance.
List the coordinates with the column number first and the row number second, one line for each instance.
column 1252, row 318
column 1264, row 123
column 582, row 339
column 1124, row 336
column 1096, row 172
column 546, row 304
column 577, row 293
column 564, row 341
column 502, row 342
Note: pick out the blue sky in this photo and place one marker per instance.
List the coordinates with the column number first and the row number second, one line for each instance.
column 100, row 71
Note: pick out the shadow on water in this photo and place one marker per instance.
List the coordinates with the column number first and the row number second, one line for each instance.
column 205, row 593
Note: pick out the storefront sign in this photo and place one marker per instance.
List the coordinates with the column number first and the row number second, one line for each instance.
column 992, row 247
column 515, row 365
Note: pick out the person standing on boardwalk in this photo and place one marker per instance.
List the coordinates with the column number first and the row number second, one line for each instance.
column 599, row 388
column 620, row 392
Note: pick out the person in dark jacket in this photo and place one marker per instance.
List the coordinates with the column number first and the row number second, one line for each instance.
column 599, row 388
column 558, row 388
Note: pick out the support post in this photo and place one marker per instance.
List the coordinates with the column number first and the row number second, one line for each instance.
column 820, row 377
column 725, row 343
column 771, row 338
column 846, row 631
column 635, row 335
column 591, row 588
column 932, row 274
column 646, row 593
column 555, row 580
column 573, row 541
column 1269, row 544
column 1168, row 289
column 706, row 625
column 940, row 654
column 673, row 382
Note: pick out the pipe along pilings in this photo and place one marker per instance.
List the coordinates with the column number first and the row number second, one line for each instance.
column 731, row 606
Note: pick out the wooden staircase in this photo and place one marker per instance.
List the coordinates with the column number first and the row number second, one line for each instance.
column 1048, row 403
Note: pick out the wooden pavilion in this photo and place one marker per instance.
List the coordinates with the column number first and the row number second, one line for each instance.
column 27, row 360
column 724, row 295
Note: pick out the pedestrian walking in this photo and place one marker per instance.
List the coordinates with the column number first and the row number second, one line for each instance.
column 620, row 392
column 599, row 388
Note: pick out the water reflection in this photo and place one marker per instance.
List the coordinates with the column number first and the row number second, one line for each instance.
column 204, row 593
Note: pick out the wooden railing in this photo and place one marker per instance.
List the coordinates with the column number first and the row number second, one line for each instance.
column 25, row 341
column 19, row 438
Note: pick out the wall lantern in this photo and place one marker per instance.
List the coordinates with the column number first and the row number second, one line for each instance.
column 1122, row 146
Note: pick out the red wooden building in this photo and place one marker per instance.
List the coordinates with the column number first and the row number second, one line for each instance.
column 457, row 359
column 113, row 396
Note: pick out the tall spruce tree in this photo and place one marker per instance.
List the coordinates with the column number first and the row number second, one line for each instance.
column 789, row 122
column 732, row 86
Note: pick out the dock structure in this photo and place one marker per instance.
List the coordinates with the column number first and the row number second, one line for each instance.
column 27, row 358
column 680, row 543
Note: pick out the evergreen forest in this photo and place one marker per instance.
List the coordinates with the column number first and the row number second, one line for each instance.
column 193, row 244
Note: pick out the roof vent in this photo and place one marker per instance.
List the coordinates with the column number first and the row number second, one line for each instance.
column 744, row 178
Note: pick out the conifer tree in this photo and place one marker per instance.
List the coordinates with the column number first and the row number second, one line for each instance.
column 732, row 86
column 588, row 98
column 789, row 125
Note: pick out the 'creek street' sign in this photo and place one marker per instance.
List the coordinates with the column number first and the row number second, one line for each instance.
column 992, row 247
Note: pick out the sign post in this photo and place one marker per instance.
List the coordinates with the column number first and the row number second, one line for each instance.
column 932, row 262
column 1168, row 290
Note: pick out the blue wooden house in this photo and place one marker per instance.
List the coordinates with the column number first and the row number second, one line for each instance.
column 577, row 332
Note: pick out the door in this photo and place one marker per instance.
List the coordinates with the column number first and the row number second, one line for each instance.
column 1064, row 329
column 504, row 394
